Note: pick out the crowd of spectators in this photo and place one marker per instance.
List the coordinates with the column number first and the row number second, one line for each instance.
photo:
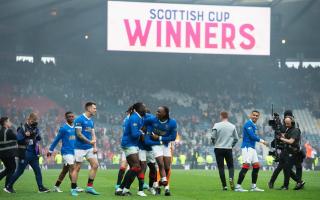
column 195, row 97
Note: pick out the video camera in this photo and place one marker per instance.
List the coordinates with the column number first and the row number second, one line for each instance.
column 276, row 144
column 275, row 123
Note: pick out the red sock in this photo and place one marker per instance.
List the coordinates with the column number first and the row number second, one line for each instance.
column 90, row 182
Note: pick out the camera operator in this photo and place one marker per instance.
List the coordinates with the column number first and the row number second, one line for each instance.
column 279, row 146
column 28, row 150
column 8, row 147
column 291, row 154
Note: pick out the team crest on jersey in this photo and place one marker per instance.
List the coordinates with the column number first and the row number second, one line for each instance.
column 135, row 124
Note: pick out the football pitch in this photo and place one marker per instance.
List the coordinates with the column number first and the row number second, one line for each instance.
column 184, row 185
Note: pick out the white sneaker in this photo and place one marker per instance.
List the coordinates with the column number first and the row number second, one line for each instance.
column 56, row 189
column 141, row 194
column 152, row 191
column 240, row 189
column 256, row 189
column 119, row 190
column 79, row 189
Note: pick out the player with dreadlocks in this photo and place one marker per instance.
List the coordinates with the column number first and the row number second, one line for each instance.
column 123, row 163
column 164, row 131
column 132, row 133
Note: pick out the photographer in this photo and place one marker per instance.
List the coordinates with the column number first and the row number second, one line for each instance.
column 8, row 147
column 28, row 149
column 291, row 155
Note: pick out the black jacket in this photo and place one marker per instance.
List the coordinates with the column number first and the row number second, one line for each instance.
column 24, row 141
column 296, row 135
column 8, row 143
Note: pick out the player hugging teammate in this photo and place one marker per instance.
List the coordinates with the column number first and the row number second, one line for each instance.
column 142, row 133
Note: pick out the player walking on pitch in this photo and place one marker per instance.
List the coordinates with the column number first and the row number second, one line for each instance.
column 67, row 135
column 249, row 153
column 85, row 147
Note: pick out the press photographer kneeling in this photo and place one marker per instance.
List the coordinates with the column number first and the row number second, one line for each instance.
column 291, row 154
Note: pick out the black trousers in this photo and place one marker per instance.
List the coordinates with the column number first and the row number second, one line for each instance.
column 277, row 171
column 10, row 167
column 221, row 155
column 309, row 162
column 289, row 161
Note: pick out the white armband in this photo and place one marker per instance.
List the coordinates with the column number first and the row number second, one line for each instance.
column 160, row 138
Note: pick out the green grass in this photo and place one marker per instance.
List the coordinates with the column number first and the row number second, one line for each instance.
column 185, row 185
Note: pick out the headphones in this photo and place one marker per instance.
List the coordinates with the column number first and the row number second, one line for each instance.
column 293, row 123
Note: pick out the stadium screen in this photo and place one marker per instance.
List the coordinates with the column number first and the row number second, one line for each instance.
column 188, row 28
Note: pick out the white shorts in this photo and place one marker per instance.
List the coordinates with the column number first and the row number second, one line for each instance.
column 161, row 150
column 84, row 153
column 249, row 155
column 123, row 156
column 146, row 156
column 130, row 150
column 68, row 159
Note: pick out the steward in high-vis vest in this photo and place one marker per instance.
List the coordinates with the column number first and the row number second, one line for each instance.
column 8, row 147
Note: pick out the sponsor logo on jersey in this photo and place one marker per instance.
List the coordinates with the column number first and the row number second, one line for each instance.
column 72, row 137
column 159, row 132
column 88, row 129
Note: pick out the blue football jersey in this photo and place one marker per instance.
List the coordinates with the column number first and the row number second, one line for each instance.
column 148, row 142
column 132, row 130
column 67, row 135
column 86, row 125
column 249, row 136
column 167, row 129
